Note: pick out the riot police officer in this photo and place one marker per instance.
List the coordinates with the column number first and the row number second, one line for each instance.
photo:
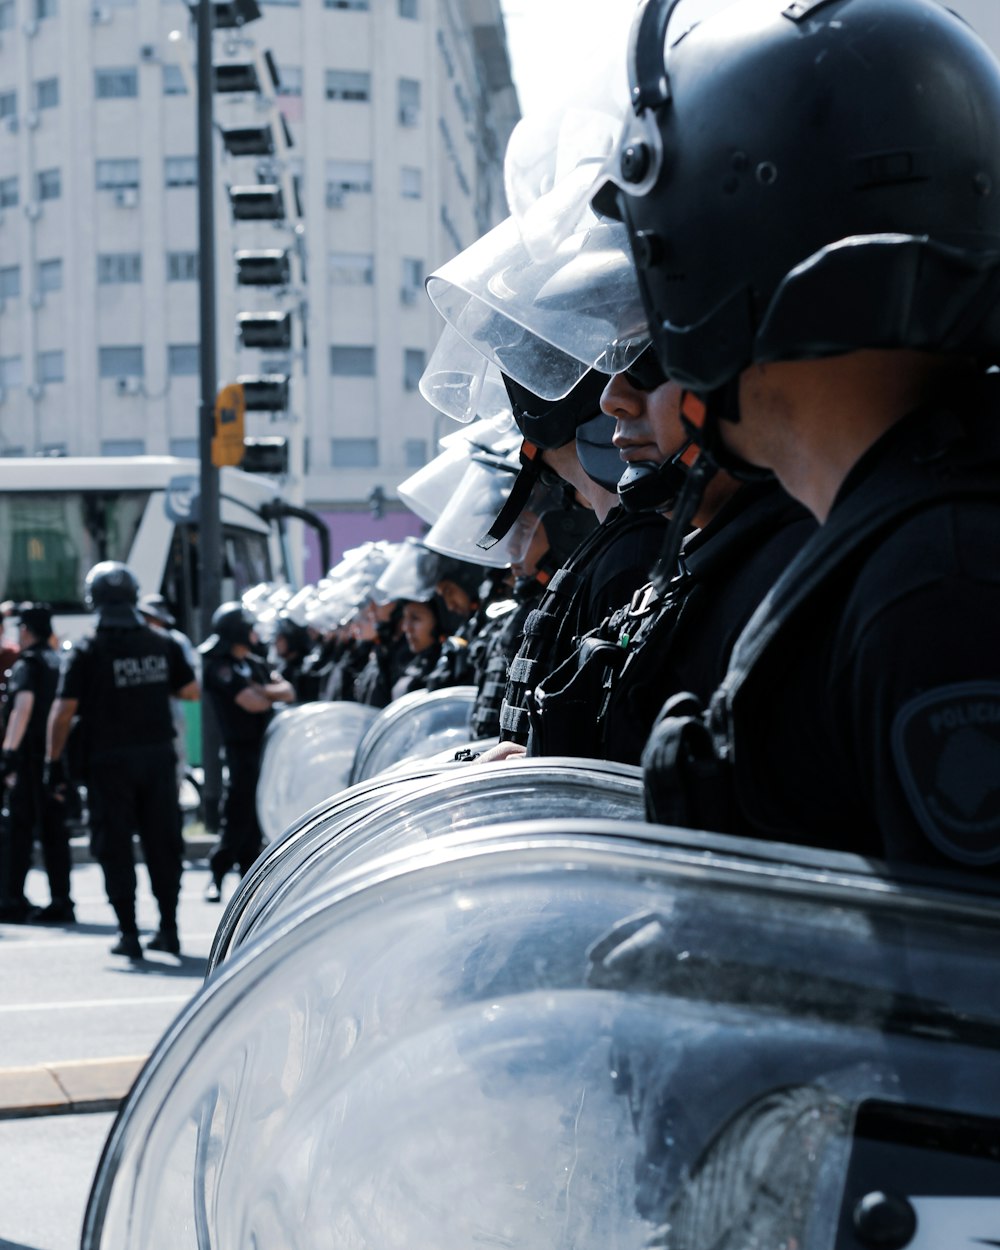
column 30, row 809
column 836, row 310
column 119, row 681
column 242, row 691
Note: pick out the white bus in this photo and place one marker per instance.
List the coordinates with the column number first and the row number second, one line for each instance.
column 59, row 516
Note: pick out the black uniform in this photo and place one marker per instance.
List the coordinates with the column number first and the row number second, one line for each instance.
column 602, row 702
column 414, row 676
column 31, row 810
column 123, row 678
column 242, row 736
column 861, row 710
column 604, row 572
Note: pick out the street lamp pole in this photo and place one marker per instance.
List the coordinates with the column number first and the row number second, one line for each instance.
column 209, row 524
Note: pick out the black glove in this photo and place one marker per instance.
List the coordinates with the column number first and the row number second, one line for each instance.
column 9, row 762
column 54, row 777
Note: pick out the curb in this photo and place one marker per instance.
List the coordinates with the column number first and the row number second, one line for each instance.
column 72, row 1088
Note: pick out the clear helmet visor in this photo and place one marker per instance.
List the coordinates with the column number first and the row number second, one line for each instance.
column 461, row 383
column 411, row 574
column 546, row 322
column 428, row 491
column 471, row 510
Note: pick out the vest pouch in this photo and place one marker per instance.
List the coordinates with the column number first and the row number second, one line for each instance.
column 564, row 709
column 687, row 782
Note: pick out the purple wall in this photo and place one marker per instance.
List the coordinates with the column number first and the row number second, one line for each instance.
column 350, row 528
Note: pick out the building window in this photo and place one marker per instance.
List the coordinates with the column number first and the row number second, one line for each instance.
column 348, row 84
column 116, row 84
column 352, row 362
column 182, row 266
column 411, row 183
column 50, row 275
column 343, row 177
column 123, row 446
column 290, row 80
column 115, row 175
column 181, row 171
column 116, row 267
column 186, row 448
column 49, row 183
column 183, row 360
column 51, row 367
column 408, row 8
column 47, row 93
column 10, row 282
column 7, row 14
column 359, row 6
column 354, row 453
column 46, row 8
column 11, row 373
column 174, row 82
column 415, row 453
column 8, row 104
column 9, row 194
column 352, row 268
column 413, row 273
column 120, row 362
column 414, row 364
column 409, row 102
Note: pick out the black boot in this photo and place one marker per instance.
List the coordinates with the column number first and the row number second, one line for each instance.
column 165, row 940
column 128, row 944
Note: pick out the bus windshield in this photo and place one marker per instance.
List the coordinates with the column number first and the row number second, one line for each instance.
column 48, row 541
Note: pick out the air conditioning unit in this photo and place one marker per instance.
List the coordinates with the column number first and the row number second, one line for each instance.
column 100, row 14
column 335, row 197
column 409, row 115
column 31, row 120
column 13, row 123
column 36, row 390
column 127, row 197
column 32, row 211
column 147, row 52
column 408, row 294
column 37, row 300
column 128, row 386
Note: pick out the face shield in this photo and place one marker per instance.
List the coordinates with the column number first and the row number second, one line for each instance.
column 267, row 612
column 427, row 492
column 411, row 574
column 460, row 382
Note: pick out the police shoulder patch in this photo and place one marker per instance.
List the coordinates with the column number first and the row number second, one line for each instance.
column 946, row 744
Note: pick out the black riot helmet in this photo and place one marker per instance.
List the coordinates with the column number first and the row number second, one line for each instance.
column 111, row 590
column 547, row 424
column 232, row 625
column 803, row 180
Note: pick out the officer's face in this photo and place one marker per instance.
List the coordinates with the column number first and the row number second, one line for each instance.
column 647, row 423
column 419, row 627
column 455, row 598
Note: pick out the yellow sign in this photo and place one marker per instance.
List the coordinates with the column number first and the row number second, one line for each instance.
column 227, row 440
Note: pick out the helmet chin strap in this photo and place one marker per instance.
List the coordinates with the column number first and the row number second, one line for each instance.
column 531, row 469
column 650, row 487
column 702, row 416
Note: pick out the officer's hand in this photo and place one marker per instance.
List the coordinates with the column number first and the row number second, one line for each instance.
column 8, row 767
column 54, row 779
column 503, row 751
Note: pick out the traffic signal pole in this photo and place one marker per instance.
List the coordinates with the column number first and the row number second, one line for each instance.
column 209, row 524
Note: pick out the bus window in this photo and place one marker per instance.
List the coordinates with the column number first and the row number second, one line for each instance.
column 246, row 561
column 49, row 541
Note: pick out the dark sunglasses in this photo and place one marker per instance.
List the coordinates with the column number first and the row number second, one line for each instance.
column 645, row 373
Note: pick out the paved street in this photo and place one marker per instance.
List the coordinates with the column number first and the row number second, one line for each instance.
column 65, row 999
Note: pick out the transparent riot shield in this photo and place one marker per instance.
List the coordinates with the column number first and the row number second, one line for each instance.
column 586, row 1035
column 308, row 755
column 410, row 815
column 418, row 725
column 297, row 844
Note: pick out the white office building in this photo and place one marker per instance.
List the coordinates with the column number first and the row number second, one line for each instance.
column 398, row 111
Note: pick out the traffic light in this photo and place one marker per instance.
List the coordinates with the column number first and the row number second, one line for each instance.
column 376, row 502
column 227, row 436
column 266, row 455
column 258, row 202
column 263, row 267
column 230, row 14
column 270, row 330
column 266, row 392
column 234, row 76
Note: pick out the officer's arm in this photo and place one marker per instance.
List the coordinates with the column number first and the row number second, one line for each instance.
column 20, row 714
column 57, row 730
column 191, row 693
column 253, row 699
column 278, row 690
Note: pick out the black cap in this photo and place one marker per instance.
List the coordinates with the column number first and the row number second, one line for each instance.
column 36, row 617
